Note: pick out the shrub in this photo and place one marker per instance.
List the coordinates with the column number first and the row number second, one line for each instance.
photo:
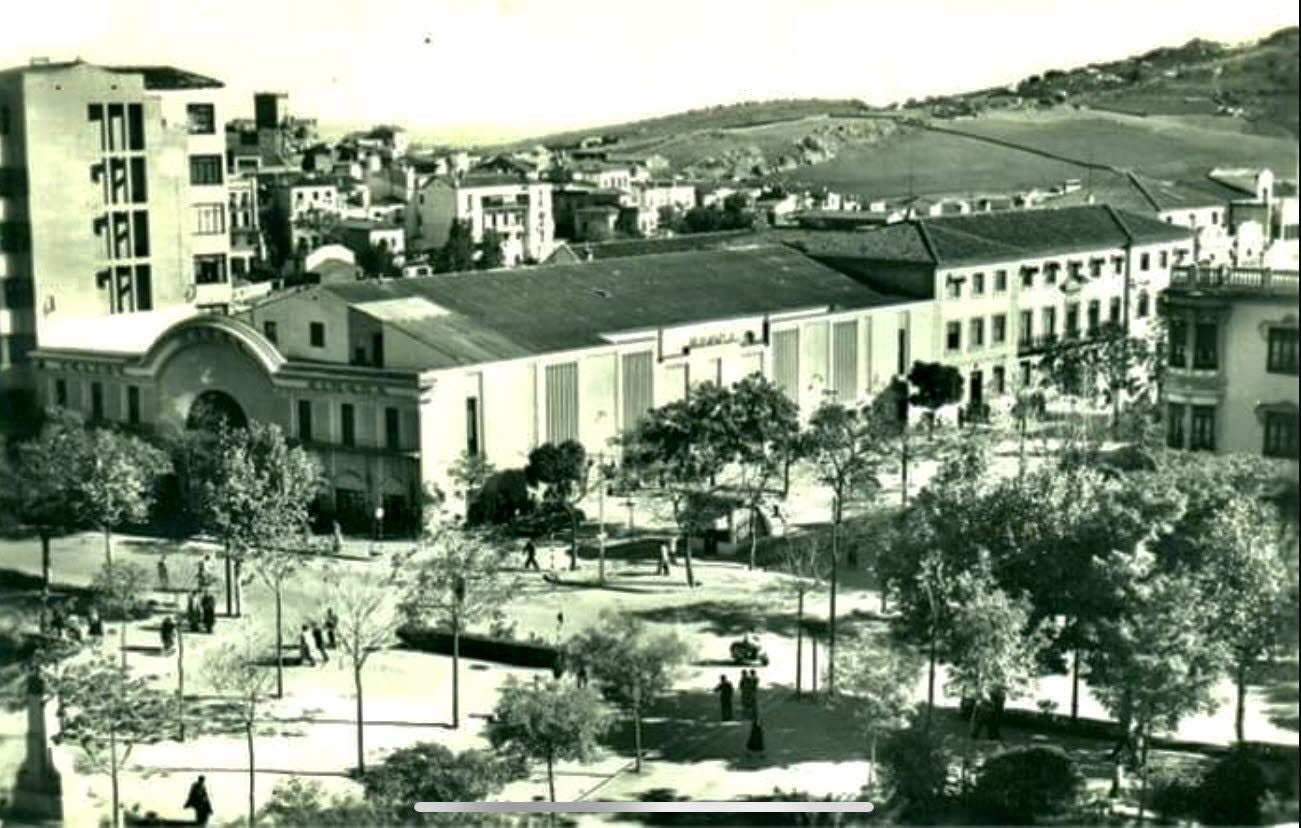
column 1233, row 790
column 537, row 655
column 429, row 772
column 1176, row 791
column 119, row 591
column 915, row 768
column 503, row 497
column 1022, row 784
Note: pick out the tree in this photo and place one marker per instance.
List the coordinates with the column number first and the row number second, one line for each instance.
column 804, row 558
column 106, row 712
column 1108, row 367
column 119, row 590
column 881, row 681
column 234, row 671
column 764, row 424
column 843, row 445
column 455, row 581
column 222, row 503
column 549, row 721
column 303, row 802
column 491, row 255
column 562, row 470
column 629, row 663
column 457, row 253
column 368, row 617
column 934, row 385
column 117, row 481
column 430, row 772
column 470, row 472
column 1246, row 586
column 272, row 484
column 377, row 260
column 1023, row 784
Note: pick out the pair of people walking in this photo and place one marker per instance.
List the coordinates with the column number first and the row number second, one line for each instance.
column 662, row 568
column 311, row 645
column 201, row 611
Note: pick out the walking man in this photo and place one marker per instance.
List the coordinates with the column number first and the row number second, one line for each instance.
column 305, row 647
column 747, row 695
column 331, row 628
column 198, row 802
column 164, row 580
column 754, row 693
column 95, row 624
column 530, row 555
column 318, row 638
column 192, row 612
column 663, row 567
column 208, row 604
column 725, row 691
column 168, row 634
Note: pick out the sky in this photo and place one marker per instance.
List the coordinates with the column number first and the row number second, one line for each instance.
column 481, row 70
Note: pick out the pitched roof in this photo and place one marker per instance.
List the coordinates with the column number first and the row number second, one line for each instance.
column 506, row 314
column 988, row 237
column 1144, row 194
column 168, row 77
column 621, row 248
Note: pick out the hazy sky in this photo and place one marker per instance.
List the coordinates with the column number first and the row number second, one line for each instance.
column 498, row 68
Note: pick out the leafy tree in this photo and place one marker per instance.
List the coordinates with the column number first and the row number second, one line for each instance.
column 490, row 251
column 303, row 802
column 470, row 472
column 271, row 485
column 934, row 385
column 106, row 712
column 562, row 470
column 1108, row 367
column 843, row 445
column 430, row 772
column 457, row 253
column 549, row 721
column 378, row 260
column 117, row 480
column 629, row 663
column 234, row 671
column 456, row 580
column 222, row 503
column 764, row 424
column 368, row 617
column 119, row 590
column 1023, row 784
column 1233, row 791
column 881, row 681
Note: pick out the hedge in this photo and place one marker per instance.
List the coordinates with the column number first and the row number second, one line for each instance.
column 480, row 647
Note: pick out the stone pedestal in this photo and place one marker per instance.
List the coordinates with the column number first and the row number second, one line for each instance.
column 38, row 793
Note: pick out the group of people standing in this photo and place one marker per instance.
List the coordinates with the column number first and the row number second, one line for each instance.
column 62, row 623
column 749, row 686
column 316, row 639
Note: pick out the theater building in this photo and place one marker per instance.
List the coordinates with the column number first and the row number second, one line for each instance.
column 389, row 382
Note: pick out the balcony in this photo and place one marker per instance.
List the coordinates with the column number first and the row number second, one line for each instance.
column 1036, row 344
column 1227, row 281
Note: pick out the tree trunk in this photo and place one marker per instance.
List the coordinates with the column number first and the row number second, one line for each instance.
column 361, row 722
column 930, row 680
column 551, row 776
column 121, row 633
column 45, row 578
column 799, row 644
column 230, row 597
column 636, row 734
column 813, row 642
column 1075, row 684
column 831, row 611
column 113, row 772
column 1142, row 775
column 180, row 680
column 573, row 538
column 903, row 465
column 686, row 555
column 280, row 647
column 754, row 534
column 1239, row 714
column 108, row 546
column 252, row 775
column 456, row 673
column 239, row 591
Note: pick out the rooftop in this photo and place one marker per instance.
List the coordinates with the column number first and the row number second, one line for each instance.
column 471, row 318
column 621, row 248
column 978, row 238
column 169, row 77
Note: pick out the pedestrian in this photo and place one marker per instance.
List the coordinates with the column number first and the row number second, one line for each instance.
column 168, row 634
column 747, row 695
column 754, row 693
column 164, row 580
column 755, row 743
column 725, row 691
column 305, row 647
column 208, row 605
column 95, row 624
column 331, row 628
column 199, row 802
column 663, row 567
column 581, row 675
column 192, row 612
column 318, row 638
column 58, row 621
column 530, row 555
column 337, row 534
column 201, row 576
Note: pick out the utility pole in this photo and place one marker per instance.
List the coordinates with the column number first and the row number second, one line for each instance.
column 600, row 515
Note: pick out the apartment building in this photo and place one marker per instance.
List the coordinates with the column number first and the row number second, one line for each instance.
column 518, row 210
column 246, row 246
column 1007, row 285
column 112, row 200
column 302, row 206
column 1231, row 385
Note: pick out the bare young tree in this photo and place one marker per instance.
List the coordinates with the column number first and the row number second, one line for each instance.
column 234, row 671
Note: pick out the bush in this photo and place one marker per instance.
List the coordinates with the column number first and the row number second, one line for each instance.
column 429, row 772
column 503, row 497
column 1233, row 790
column 1176, row 792
column 119, row 591
column 1022, row 784
column 484, row 648
column 915, row 769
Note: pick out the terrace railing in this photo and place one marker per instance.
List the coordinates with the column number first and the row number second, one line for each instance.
column 1239, row 280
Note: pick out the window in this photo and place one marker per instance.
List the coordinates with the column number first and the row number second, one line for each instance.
column 472, row 426
column 392, row 430
column 140, row 234
column 210, row 269
column 1282, row 355
column 1143, row 305
column 1075, row 269
column 4, row 120
column 1027, row 277
column 977, row 339
column 139, row 182
column 135, row 126
column 1000, row 379
column 97, row 401
column 133, row 404
column 1202, row 437
column 1050, row 322
column 1215, row 217
column 1145, row 261
column 1050, row 272
column 1026, row 332
column 269, row 330
column 953, row 288
column 1000, row 281
column 1094, row 319
column 1178, row 342
column 562, row 402
column 1205, row 337
column 978, row 284
column 1095, row 267
column 1027, row 373
column 202, row 118
column 1115, row 311
column 210, row 219
column 316, row 334
column 305, row 420
column 953, row 336
column 998, row 329
column 1174, row 432
column 377, row 349
column 144, row 288
column 116, row 128
column 205, row 169
column 1072, row 320
column 347, row 425
column 901, row 351
column 1280, row 434
column 61, row 393
column 1165, row 259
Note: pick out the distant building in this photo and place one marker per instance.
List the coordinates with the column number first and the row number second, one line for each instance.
column 595, row 223
column 518, row 210
column 359, row 235
column 304, row 208
column 1231, row 385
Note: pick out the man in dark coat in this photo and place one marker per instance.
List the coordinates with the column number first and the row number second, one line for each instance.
column 319, row 637
column 331, row 628
column 725, row 691
column 747, row 695
column 168, row 634
column 755, row 743
column 530, row 555
column 199, row 802
column 208, row 603
column 193, row 614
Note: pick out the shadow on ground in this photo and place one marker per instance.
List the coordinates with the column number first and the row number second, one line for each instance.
column 731, row 618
